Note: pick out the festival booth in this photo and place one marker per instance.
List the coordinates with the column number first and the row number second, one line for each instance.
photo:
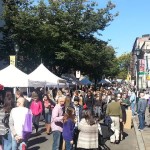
column 13, row 77
column 104, row 81
column 42, row 77
column 85, row 80
column 71, row 80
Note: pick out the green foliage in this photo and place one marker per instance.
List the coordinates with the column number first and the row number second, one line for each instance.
column 123, row 62
column 61, row 34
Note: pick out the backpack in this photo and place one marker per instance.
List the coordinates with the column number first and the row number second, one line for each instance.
column 5, row 120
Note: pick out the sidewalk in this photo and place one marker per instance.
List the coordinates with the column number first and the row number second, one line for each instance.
column 143, row 137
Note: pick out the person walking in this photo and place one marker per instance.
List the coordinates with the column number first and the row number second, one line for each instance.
column 142, row 103
column 133, row 102
column 4, row 124
column 57, row 123
column 78, row 113
column 114, row 111
column 88, row 135
column 20, row 123
column 68, row 127
column 89, row 101
column 36, row 108
column 98, row 106
column 125, row 101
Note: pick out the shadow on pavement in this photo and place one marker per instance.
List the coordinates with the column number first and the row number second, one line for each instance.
column 125, row 135
column 37, row 140
column 104, row 147
column 34, row 148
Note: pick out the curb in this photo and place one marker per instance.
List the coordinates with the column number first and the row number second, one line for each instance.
column 139, row 137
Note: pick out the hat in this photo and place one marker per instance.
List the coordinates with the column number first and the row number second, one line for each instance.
column 34, row 95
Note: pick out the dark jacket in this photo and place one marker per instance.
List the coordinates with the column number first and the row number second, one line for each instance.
column 89, row 101
column 106, row 131
column 123, row 108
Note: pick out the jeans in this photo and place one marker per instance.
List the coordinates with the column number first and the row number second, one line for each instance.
column 141, row 120
column 17, row 145
column 35, row 121
column 98, row 111
column 47, row 118
column 68, row 145
column 56, row 140
column 133, row 108
column 6, row 141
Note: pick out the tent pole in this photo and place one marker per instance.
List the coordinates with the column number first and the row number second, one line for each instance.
column 44, row 89
column 14, row 90
column 27, row 91
column 57, row 85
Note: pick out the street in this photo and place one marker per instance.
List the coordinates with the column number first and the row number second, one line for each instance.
column 43, row 141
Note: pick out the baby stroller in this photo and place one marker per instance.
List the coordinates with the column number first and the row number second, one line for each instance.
column 104, row 134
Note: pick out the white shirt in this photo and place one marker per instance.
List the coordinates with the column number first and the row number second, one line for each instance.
column 19, row 116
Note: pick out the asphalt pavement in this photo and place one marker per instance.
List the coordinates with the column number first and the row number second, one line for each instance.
column 42, row 141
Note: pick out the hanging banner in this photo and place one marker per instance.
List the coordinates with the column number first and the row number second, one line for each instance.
column 12, row 59
column 141, row 65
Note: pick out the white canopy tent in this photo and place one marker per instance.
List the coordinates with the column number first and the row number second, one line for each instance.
column 41, row 76
column 13, row 77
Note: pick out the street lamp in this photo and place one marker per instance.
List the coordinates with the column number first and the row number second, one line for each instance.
column 137, row 53
column 16, row 47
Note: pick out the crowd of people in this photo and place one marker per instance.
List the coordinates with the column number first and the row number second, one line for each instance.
column 74, row 118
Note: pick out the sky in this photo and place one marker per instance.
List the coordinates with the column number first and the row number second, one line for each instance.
column 133, row 21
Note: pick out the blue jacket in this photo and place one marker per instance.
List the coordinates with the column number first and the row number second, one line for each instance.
column 142, row 103
column 68, row 130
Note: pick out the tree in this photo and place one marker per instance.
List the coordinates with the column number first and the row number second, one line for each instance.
column 61, row 34
column 123, row 62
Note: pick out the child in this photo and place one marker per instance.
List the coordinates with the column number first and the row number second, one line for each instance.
column 68, row 127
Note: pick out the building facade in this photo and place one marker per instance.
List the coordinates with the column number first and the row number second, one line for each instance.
column 140, row 63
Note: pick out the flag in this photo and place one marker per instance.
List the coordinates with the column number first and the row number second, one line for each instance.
column 12, row 59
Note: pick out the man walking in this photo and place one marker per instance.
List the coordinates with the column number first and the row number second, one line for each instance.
column 142, row 103
column 114, row 111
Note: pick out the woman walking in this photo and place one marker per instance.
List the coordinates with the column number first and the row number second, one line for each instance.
column 88, row 135
column 4, row 124
column 36, row 108
column 48, row 106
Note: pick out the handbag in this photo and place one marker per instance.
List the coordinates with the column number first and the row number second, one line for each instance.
column 27, row 128
column 106, row 131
